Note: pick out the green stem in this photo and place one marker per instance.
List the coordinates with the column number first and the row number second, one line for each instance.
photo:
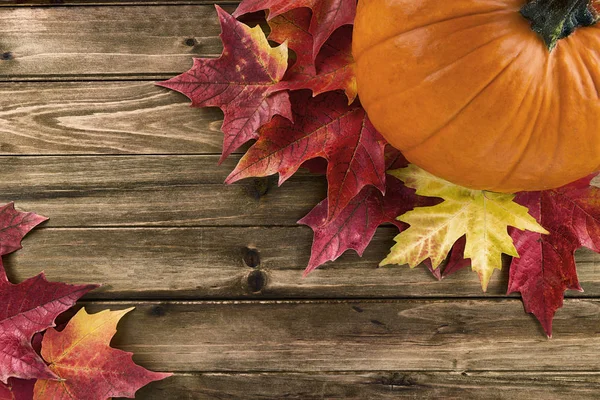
column 556, row 19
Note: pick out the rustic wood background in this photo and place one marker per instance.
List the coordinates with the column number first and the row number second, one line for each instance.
column 128, row 174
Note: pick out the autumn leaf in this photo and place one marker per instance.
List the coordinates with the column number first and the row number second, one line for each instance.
column 456, row 261
column 14, row 225
column 240, row 82
column 335, row 68
column 292, row 28
column 28, row 308
column 88, row 368
column 482, row 216
column 327, row 15
column 17, row 389
column 323, row 127
column 356, row 224
column 547, row 264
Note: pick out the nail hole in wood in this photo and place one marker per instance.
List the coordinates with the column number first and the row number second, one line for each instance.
column 158, row 311
column 7, row 56
column 191, row 42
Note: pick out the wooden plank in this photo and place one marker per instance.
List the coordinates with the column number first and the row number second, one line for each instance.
column 54, row 3
column 152, row 191
column 238, row 263
column 380, row 385
column 313, row 336
column 104, row 118
column 99, row 42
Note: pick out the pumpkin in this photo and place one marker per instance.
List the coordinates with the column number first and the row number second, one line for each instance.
column 499, row 95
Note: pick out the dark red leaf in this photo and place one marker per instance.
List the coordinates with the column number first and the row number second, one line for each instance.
column 240, row 82
column 316, row 166
column 328, row 15
column 456, row 261
column 356, row 224
column 292, row 27
column 546, row 267
column 17, row 389
column 334, row 64
column 323, row 127
column 436, row 272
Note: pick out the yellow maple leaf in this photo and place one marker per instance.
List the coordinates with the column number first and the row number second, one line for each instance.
column 484, row 217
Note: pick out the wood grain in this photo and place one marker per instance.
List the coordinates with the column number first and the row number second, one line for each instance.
column 239, row 263
column 378, row 385
column 318, row 336
column 105, row 42
column 151, row 191
column 104, row 118
column 35, row 3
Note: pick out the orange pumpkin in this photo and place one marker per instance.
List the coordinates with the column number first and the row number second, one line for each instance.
column 468, row 91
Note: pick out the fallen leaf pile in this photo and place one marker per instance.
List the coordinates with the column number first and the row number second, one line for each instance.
column 298, row 102
column 76, row 363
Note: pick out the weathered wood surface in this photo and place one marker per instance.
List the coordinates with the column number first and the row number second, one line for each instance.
column 238, row 262
column 103, row 118
column 152, row 191
column 128, row 174
column 382, row 385
column 33, row 3
column 105, row 42
column 378, row 335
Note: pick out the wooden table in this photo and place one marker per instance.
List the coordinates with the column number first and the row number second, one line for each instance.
column 128, row 174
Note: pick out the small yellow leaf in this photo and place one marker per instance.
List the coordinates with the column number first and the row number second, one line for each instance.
column 484, row 217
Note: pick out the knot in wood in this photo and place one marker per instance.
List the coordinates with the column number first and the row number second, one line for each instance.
column 251, row 257
column 256, row 281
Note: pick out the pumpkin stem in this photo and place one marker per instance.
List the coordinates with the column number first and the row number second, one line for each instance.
column 556, row 19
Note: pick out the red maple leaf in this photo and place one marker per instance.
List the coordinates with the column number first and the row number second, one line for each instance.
column 292, row 28
column 240, row 82
column 327, row 15
column 88, row 368
column 354, row 227
column 356, row 224
column 334, row 64
column 28, row 308
column 325, row 127
column 546, row 267
column 17, row 389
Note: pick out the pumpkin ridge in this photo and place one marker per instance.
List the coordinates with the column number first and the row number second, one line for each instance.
column 542, row 110
column 583, row 66
column 559, row 80
column 516, row 165
column 462, row 108
column 396, row 35
column 525, row 144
